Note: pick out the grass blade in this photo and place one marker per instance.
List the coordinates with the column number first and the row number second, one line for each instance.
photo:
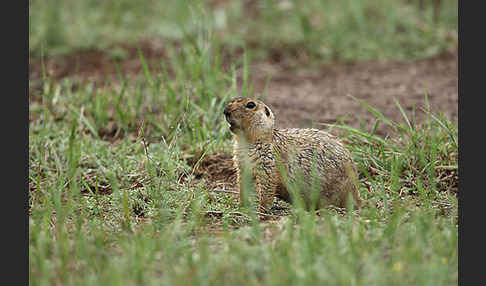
column 360, row 133
column 403, row 113
column 375, row 112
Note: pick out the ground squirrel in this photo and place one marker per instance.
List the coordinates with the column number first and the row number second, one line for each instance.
column 278, row 157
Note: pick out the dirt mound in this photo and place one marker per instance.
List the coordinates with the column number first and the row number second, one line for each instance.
column 217, row 170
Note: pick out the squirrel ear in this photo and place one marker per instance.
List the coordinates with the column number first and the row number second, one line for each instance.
column 267, row 112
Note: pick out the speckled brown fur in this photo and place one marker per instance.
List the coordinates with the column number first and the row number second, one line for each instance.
column 277, row 158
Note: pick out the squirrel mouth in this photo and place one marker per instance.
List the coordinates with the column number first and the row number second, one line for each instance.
column 233, row 127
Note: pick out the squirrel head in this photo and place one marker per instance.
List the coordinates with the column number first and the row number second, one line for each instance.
column 250, row 119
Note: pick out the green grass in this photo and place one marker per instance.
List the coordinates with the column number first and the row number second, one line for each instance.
column 113, row 198
column 126, row 209
column 324, row 30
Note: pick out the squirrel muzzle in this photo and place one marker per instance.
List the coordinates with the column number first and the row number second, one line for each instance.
column 227, row 115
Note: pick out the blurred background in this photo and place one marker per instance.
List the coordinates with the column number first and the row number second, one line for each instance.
column 324, row 30
column 306, row 55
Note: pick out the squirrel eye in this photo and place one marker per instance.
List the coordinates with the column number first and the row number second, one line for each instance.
column 250, row 104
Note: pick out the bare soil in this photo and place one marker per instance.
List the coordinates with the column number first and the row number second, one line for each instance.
column 301, row 96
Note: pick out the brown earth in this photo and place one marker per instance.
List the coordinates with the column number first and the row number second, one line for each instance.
column 301, row 96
